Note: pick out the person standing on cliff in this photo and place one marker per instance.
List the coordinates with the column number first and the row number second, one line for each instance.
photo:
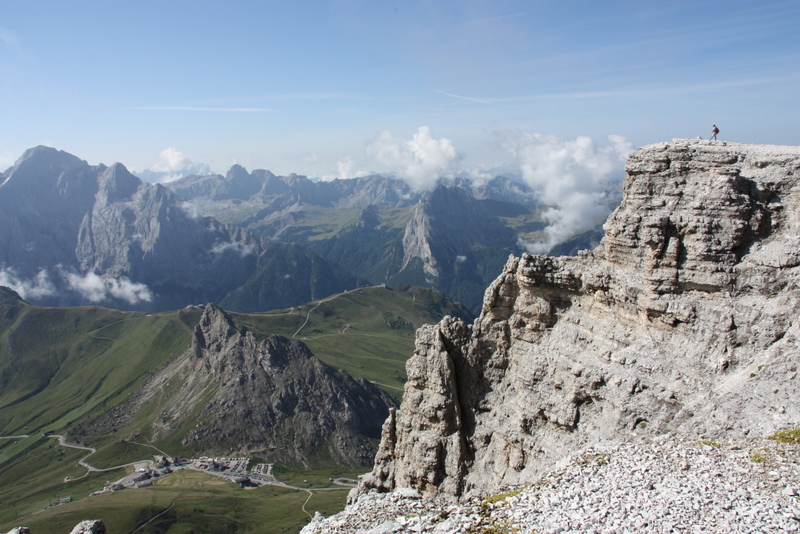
column 714, row 132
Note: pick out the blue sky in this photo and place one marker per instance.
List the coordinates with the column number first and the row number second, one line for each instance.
column 344, row 87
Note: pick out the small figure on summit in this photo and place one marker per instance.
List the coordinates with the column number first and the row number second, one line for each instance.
column 714, row 132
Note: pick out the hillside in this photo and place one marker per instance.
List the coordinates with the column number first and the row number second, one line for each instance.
column 234, row 395
column 76, row 371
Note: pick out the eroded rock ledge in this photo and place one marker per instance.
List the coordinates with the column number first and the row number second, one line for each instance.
column 683, row 320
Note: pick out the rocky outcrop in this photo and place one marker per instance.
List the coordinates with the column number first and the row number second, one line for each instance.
column 683, row 320
column 233, row 394
column 451, row 242
column 89, row 526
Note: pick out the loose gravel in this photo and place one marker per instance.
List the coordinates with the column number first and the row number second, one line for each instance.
column 663, row 486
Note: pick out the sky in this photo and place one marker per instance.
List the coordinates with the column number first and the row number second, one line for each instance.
column 415, row 88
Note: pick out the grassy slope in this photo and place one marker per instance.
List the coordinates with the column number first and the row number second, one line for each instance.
column 61, row 366
column 368, row 332
column 188, row 502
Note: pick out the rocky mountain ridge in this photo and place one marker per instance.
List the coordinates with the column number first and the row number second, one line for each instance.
column 232, row 394
column 682, row 321
column 449, row 238
column 72, row 234
column 275, row 194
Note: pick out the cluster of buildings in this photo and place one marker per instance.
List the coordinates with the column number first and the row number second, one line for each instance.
column 234, row 469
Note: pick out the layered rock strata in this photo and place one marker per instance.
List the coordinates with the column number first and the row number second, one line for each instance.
column 683, row 320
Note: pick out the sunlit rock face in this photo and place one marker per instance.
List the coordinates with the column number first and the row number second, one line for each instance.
column 683, row 320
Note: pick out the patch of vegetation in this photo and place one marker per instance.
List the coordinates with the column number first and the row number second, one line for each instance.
column 505, row 527
column 787, row 435
column 41, row 474
column 493, row 499
column 119, row 453
column 708, row 442
column 598, row 458
column 758, row 458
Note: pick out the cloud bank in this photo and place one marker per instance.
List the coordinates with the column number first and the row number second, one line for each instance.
column 420, row 161
column 96, row 288
column 238, row 248
column 37, row 287
column 91, row 286
column 569, row 176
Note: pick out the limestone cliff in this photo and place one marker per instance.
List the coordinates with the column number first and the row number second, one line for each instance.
column 683, row 320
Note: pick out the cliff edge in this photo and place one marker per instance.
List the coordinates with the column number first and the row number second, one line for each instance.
column 683, row 320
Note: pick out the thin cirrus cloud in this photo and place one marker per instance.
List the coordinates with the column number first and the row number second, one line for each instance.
column 315, row 96
column 198, row 108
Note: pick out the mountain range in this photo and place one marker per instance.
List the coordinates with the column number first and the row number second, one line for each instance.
column 71, row 234
column 453, row 238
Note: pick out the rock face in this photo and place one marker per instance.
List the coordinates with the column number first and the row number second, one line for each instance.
column 232, row 394
column 683, row 320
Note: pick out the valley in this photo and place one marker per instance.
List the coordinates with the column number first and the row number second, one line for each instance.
column 79, row 363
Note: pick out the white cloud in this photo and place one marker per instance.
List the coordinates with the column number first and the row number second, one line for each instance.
column 461, row 259
column 191, row 209
column 37, row 287
column 242, row 250
column 96, row 288
column 346, row 169
column 569, row 177
column 420, row 161
column 173, row 164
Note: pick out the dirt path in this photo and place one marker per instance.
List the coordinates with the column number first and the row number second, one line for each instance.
column 308, row 315
column 180, row 495
column 303, row 508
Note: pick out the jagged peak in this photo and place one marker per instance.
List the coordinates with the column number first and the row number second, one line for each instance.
column 236, row 172
column 117, row 183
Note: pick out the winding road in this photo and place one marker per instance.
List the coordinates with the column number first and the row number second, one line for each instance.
column 92, row 450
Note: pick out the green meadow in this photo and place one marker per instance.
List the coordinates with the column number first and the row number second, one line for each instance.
column 63, row 367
